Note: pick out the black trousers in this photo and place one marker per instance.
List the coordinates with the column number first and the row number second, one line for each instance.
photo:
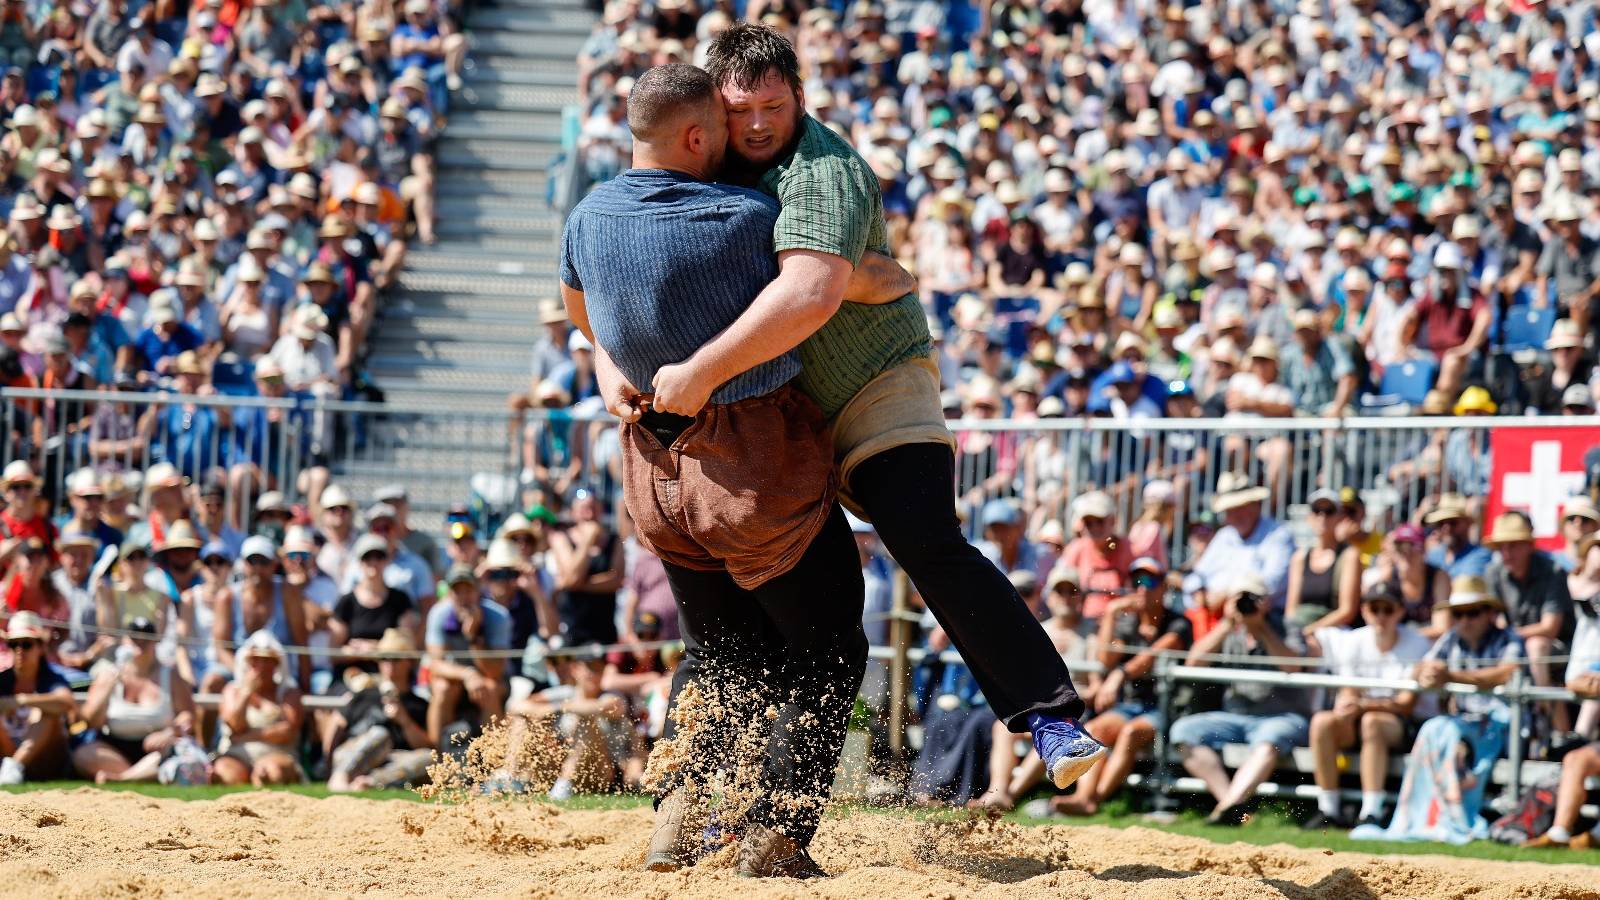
column 793, row 648
column 909, row 493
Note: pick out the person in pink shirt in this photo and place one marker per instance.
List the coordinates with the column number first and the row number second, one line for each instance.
column 1101, row 556
column 1149, row 535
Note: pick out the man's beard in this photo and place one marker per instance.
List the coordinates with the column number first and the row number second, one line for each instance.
column 741, row 170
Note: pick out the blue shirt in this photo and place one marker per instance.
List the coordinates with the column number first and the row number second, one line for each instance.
column 1473, row 560
column 444, row 627
column 1498, row 647
column 665, row 263
column 1265, row 552
column 154, row 348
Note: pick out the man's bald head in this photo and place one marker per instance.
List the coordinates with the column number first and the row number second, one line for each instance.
column 667, row 98
column 675, row 113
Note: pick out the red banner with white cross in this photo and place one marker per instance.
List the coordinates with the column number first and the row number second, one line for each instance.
column 1535, row 471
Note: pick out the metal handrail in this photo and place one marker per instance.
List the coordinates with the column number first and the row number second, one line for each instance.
column 149, row 398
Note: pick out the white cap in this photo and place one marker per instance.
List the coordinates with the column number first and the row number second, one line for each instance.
column 1094, row 504
column 258, row 545
column 85, row 482
column 333, row 495
column 1448, row 256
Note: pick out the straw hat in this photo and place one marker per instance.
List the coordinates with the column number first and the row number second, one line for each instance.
column 1508, row 527
column 396, row 641
column 1580, row 506
column 1235, row 490
column 1450, row 507
column 1564, row 334
column 188, row 363
column 502, row 555
column 1470, row 590
column 1435, row 403
column 180, row 536
column 515, row 524
column 1263, row 347
column 552, row 311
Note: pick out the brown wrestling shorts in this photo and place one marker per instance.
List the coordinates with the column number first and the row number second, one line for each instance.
column 745, row 487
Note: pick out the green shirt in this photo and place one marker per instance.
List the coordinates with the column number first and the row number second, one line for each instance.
column 831, row 204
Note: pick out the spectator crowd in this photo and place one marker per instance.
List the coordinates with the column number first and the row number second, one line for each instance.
column 206, row 198
column 1118, row 209
column 1142, row 210
column 333, row 639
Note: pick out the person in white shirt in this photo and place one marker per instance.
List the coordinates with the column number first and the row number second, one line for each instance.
column 1378, row 719
column 144, row 49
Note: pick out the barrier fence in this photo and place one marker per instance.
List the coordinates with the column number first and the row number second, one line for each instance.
column 501, row 461
column 1172, row 668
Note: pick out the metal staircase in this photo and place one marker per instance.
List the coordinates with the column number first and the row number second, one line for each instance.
column 456, row 332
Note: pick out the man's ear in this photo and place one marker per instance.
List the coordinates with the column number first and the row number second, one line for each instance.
column 694, row 139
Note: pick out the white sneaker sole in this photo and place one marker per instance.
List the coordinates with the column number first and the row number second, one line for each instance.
column 1067, row 771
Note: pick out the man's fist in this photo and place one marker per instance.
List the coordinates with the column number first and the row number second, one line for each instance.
column 681, row 389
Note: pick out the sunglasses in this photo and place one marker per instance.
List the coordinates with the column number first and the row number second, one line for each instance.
column 300, row 556
column 215, row 562
column 259, row 561
column 24, row 644
column 503, row 575
column 375, row 558
column 1472, row 613
column 1383, row 609
column 1324, row 511
column 1145, row 580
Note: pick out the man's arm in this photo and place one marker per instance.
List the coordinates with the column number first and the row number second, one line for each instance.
column 878, row 280
column 1483, row 678
column 622, row 398
column 805, row 295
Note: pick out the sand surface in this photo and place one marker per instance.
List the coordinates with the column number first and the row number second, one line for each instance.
column 88, row 843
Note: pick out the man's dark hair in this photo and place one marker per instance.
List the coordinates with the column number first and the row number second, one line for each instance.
column 744, row 54
column 663, row 95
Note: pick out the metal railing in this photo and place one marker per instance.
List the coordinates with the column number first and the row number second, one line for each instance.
column 120, row 434
column 503, row 460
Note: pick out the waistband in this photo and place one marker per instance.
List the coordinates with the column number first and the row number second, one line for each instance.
column 668, row 427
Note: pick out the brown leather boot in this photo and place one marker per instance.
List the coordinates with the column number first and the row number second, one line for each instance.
column 765, row 853
column 667, row 851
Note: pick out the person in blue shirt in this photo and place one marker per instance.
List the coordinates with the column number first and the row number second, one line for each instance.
column 165, row 338
column 1451, row 547
column 1129, row 367
column 186, row 434
column 1251, row 541
column 467, row 693
column 87, row 496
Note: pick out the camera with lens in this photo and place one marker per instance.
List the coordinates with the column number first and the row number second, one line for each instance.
column 1248, row 604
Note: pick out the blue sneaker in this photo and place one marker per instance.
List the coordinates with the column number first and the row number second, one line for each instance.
column 1067, row 750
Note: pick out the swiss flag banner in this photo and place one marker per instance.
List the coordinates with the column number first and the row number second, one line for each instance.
column 1535, row 471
